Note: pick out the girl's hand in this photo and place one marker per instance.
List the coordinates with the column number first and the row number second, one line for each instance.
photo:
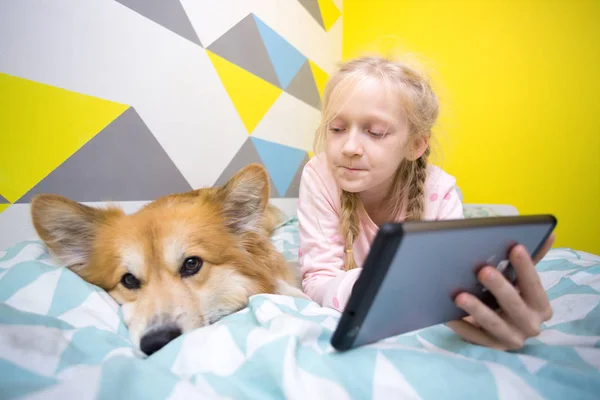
column 522, row 308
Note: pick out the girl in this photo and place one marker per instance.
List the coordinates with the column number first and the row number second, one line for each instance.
column 371, row 166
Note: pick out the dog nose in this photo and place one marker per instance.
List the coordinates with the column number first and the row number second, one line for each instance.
column 157, row 338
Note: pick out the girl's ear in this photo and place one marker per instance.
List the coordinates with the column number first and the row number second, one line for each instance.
column 418, row 145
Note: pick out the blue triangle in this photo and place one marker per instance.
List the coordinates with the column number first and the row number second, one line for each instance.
column 22, row 275
column 78, row 290
column 12, row 316
column 285, row 58
column 89, row 346
column 259, row 377
column 16, row 381
column 282, row 162
column 120, row 379
column 239, row 326
column 14, row 251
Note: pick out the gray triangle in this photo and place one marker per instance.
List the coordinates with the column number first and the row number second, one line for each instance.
column 304, row 87
column 312, row 6
column 294, row 188
column 247, row 154
column 167, row 13
column 123, row 162
column 3, row 200
column 243, row 46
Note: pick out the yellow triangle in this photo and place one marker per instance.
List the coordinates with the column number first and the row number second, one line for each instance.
column 310, row 154
column 42, row 126
column 329, row 12
column 3, row 207
column 252, row 96
column 320, row 76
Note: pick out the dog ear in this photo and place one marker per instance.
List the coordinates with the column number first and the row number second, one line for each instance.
column 67, row 228
column 244, row 199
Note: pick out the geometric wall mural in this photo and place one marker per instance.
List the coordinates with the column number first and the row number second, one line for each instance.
column 167, row 13
column 304, row 86
column 284, row 164
column 323, row 11
column 122, row 162
column 245, row 155
column 130, row 100
column 3, row 204
column 244, row 46
column 42, row 126
column 251, row 95
column 252, row 58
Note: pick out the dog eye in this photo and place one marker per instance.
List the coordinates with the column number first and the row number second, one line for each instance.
column 190, row 266
column 130, row 281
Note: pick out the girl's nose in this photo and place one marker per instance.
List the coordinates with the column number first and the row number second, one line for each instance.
column 352, row 146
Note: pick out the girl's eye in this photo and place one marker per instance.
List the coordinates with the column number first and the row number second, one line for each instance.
column 333, row 129
column 376, row 134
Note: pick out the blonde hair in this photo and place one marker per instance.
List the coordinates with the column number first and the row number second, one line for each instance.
column 419, row 103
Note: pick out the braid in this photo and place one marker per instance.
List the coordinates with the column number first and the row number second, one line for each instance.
column 415, row 209
column 349, row 222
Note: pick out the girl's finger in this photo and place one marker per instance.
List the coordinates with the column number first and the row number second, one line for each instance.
column 511, row 303
column 472, row 334
column 490, row 321
column 544, row 249
column 529, row 282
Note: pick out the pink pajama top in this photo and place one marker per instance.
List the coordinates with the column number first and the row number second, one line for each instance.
column 322, row 249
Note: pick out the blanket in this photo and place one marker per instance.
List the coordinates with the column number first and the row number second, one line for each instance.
column 61, row 337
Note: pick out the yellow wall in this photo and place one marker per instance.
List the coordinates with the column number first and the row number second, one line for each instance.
column 521, row 98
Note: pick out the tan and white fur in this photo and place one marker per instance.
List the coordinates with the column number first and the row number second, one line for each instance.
column 179, row 263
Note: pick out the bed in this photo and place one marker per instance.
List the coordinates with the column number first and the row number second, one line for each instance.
column 61, row 337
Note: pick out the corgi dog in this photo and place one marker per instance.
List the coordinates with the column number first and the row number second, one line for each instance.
column 181, row 262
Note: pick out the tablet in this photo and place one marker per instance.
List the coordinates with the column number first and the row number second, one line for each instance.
column 415, row 270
